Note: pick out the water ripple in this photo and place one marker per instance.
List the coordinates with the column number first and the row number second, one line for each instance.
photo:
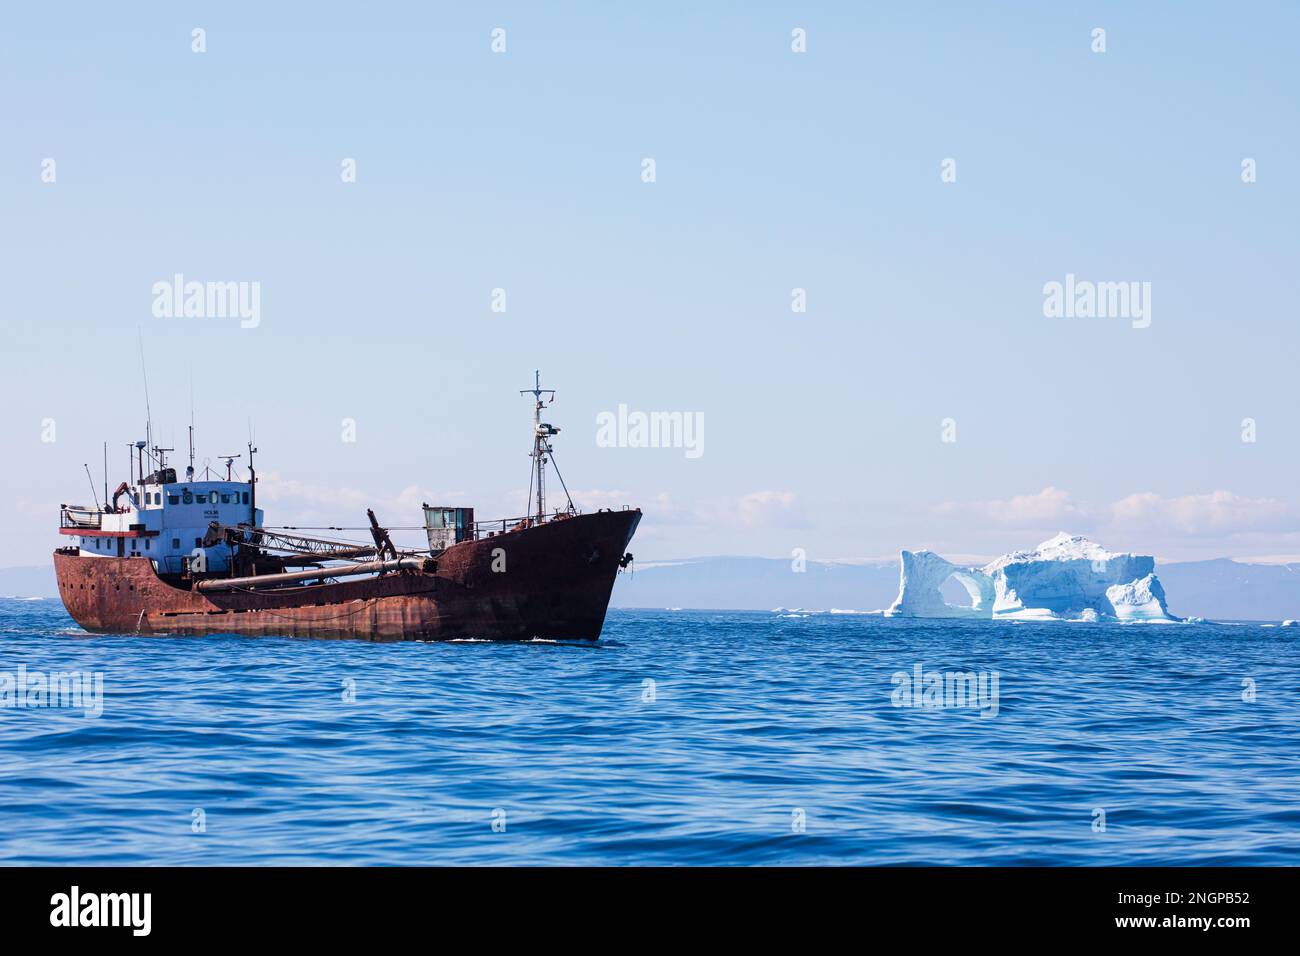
column 683, row 738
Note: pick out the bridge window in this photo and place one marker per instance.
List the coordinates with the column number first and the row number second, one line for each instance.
column 201, row 499
column 173, row 499
column 176, row 544
column 245, row 497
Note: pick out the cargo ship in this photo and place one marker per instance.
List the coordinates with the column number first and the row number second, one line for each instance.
column 194, row 557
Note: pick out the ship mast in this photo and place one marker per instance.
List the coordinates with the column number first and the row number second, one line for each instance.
column 542, row 452
column 540, row 434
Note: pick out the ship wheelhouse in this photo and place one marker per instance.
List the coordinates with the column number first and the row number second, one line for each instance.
column 164, row 520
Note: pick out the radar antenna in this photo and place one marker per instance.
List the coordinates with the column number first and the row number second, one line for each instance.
column 230, row 463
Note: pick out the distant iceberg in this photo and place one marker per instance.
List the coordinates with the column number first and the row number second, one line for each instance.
column 1067, row 578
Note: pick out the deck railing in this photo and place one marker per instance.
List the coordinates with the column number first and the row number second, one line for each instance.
column 496, row 526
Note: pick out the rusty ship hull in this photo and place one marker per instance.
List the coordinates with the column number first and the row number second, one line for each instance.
column 551, row 580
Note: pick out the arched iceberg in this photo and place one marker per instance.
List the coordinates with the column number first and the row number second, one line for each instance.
column 1067, row 577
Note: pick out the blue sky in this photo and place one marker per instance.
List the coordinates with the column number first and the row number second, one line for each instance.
column 775, row 170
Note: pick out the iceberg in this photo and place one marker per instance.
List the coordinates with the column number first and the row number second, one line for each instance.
column 1065, row 578
column 1141, row 600
column 924, row 573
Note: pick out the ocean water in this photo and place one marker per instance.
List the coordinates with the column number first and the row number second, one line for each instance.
column 681, row 738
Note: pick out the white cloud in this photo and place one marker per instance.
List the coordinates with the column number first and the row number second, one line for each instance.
column 1219, row 512
column 290, row 501
column 300, row 494
column 756, row 509
column 765, row 507
column 1049, row 507
column 1216, row 515
column 592, row 498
